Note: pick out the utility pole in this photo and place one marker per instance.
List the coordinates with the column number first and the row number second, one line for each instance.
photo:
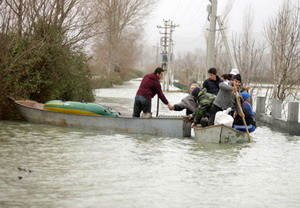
column 228, row 49
column 210, row 55
column 157, row 53
column 167, row 52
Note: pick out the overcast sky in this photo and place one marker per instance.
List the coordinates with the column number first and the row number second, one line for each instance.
column 191, row 15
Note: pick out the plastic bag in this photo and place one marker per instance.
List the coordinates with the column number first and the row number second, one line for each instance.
column 222, row 117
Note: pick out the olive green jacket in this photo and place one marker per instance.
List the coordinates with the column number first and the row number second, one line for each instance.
column 205, row 101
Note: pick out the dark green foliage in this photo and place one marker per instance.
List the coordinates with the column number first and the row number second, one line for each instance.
column 134, row 74
column 41, row 67
column 181, row 86
column 115, row 78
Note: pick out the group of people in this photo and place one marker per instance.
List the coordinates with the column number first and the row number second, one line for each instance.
column 202, row 104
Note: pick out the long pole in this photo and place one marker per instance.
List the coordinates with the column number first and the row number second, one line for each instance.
column 210, row 62
column 241, row 110
column 157, row 106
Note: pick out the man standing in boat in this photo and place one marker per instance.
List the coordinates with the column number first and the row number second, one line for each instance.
column 149, row 87
column 212, row 83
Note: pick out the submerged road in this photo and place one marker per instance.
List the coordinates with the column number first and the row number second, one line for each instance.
column 48, row 166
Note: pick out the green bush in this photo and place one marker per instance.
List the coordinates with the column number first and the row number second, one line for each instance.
column 41, row 67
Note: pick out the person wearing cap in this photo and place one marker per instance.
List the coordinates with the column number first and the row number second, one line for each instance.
column 238, row 122
column 189, row 102
column 235, row 72
column 149, row 87
column 246, row 102
column 205, row 101
column 212, row 83
column 225, row 98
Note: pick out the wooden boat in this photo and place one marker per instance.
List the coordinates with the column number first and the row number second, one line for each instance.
column 219, row 134
column 161, row 126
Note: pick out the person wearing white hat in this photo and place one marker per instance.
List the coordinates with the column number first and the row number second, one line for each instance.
column 234, row 72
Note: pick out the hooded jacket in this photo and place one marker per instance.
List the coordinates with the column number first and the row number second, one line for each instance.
column 150, row 86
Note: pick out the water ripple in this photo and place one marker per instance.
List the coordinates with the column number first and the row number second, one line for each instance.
column 77, row 168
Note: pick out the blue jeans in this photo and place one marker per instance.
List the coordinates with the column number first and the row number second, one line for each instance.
column 141, row 104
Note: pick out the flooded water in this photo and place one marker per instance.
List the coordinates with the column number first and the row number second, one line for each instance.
column 48, row 166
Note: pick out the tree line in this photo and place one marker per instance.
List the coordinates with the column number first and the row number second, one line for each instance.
column 53, row 49
column 273, row 59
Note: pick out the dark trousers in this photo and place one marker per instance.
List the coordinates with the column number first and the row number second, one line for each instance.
column 212, row 116
column 141, row 104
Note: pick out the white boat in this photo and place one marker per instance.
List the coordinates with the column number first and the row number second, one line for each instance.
column 160, row 126
column 220, row 134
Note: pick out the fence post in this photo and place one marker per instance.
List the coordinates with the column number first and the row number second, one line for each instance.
column 293, row 112
column 261, row 105
column 292, row 117
column 276, row 108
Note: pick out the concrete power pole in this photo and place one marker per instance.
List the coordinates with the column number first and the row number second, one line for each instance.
column 164, row 45
column 167, row 51
column 225, row 41
column 210, row 55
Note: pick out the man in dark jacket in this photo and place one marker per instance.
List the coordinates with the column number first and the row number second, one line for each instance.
column 149, row 87
column 212, row 83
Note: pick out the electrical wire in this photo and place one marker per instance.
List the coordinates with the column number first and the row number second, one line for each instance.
column 176, row 9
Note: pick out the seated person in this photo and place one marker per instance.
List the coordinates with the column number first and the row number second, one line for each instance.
column 238, row 123
column 205, row 101
column 189, row 102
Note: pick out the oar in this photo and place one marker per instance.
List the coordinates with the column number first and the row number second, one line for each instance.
column 157, row 107
column 243, row 118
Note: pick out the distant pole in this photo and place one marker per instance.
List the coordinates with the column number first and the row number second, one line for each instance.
column 169, row 57
column 210, row 56
column 157, row 52
column 166, row 43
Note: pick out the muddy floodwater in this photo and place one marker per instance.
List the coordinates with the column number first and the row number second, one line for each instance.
column 49, row 166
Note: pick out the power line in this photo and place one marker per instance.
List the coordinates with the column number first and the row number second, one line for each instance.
column 176, row 9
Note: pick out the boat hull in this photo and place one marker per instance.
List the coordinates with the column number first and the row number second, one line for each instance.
column 219, row 134
column 168, row 126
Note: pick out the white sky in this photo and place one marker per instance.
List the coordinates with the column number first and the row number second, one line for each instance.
column 191, row 15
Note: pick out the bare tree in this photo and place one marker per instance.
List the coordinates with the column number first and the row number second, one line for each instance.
column 75, row 18
column 187, row 67
column 120, row 29
column 248, row 52
column 283, row 35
